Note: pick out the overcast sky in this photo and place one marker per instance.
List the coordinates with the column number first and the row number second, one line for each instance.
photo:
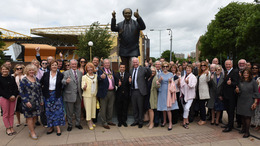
column 188, row 19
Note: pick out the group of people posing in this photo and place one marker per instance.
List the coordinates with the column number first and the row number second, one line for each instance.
column 56, row 90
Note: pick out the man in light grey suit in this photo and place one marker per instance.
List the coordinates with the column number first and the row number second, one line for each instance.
column 72, row 93
column 138, row 78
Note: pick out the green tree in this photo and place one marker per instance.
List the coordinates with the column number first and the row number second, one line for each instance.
column 2, row 55
column 227, row 35
column 101, row 39
column 166, row 55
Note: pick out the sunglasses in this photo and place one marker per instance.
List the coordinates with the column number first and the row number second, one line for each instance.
column 218, row 69
column 67, row 65
column 44, row 63
column 203, row 65
column 82, row 61
column 255, row 68
column 19, row 68
column 165, row 66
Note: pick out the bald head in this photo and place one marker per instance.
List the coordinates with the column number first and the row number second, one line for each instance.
column 215, row 61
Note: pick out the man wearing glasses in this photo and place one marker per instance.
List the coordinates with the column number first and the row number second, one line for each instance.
column 44, row 65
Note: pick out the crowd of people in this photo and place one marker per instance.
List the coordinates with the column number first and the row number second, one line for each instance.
column 56, row 91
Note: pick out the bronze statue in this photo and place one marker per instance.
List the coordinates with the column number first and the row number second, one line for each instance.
column 128, row 34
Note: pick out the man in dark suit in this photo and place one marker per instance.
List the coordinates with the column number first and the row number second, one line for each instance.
column 122, row 95
column 229, row 84
column 128, row 32
column 72, row 93
column 138, row 78
column 106, row 93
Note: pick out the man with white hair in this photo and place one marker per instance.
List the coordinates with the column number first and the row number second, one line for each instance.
column 72, row 93
column 230, row 82
column 242, row 65
column 138, row 77
column 106, row 93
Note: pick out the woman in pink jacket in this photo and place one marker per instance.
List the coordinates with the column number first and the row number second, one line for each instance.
column 188, row 93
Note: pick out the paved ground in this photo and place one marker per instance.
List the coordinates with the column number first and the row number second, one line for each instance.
column 206, row 135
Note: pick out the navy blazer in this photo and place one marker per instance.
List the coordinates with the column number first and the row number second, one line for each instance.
column 103, row 84
column 45, row 82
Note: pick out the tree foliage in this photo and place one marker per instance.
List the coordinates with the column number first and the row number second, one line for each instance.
column 234, row 33
column 2, row 55
column 166, row 55
column 101, row 39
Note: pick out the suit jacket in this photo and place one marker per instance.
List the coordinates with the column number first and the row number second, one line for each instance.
column 124, row 89
column 103, row 84
column 215, row 89
column 45, row 82
column 128, row 37
column 229, row 90
column 72, row 89
column 142, row 76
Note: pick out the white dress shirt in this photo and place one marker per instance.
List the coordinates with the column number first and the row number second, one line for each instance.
column 52, row 81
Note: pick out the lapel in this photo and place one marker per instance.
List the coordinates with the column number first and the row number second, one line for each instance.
column 220, row 80
column 48, row 78
column 139, row 72
column 215, row 79
column 72, row 75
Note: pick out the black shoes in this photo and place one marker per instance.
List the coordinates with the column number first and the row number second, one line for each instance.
column 162, row 125
column 122, row 123
column 37, row 123
column 246, row 135
column 58, row 134
column 156, row 124
column 242, row 131
column 134, row 124
column 227, row 129
column 79, row 127
column 140, row 125
column 69, row 128
column 125, row 125
column 225, row 126
column 50, row 132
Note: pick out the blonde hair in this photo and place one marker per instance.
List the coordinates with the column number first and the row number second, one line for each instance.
column 89, row 64
column 154, row 68
column 165, row 62
column 30, row 67
column 17, row 66
column 35, row 60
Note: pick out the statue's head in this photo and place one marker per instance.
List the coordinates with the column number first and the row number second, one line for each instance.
column 127, row 12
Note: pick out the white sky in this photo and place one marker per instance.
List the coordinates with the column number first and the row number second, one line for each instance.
column 187, row 19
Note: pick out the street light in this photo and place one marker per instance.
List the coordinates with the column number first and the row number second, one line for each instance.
column 90, row 44
column 159, row 37
column 170, row 33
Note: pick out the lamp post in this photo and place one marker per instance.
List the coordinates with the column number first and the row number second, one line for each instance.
column 170, row 33
column 90, row 44
column 159, row 37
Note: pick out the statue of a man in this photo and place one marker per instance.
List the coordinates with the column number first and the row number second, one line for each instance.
column 128, row 34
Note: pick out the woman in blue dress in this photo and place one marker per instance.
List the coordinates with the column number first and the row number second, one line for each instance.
column 31, row 95
column 164, row 78
column 52, row 91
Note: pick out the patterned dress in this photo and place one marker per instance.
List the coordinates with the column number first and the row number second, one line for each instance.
column 54, row 110
column 31, row 92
